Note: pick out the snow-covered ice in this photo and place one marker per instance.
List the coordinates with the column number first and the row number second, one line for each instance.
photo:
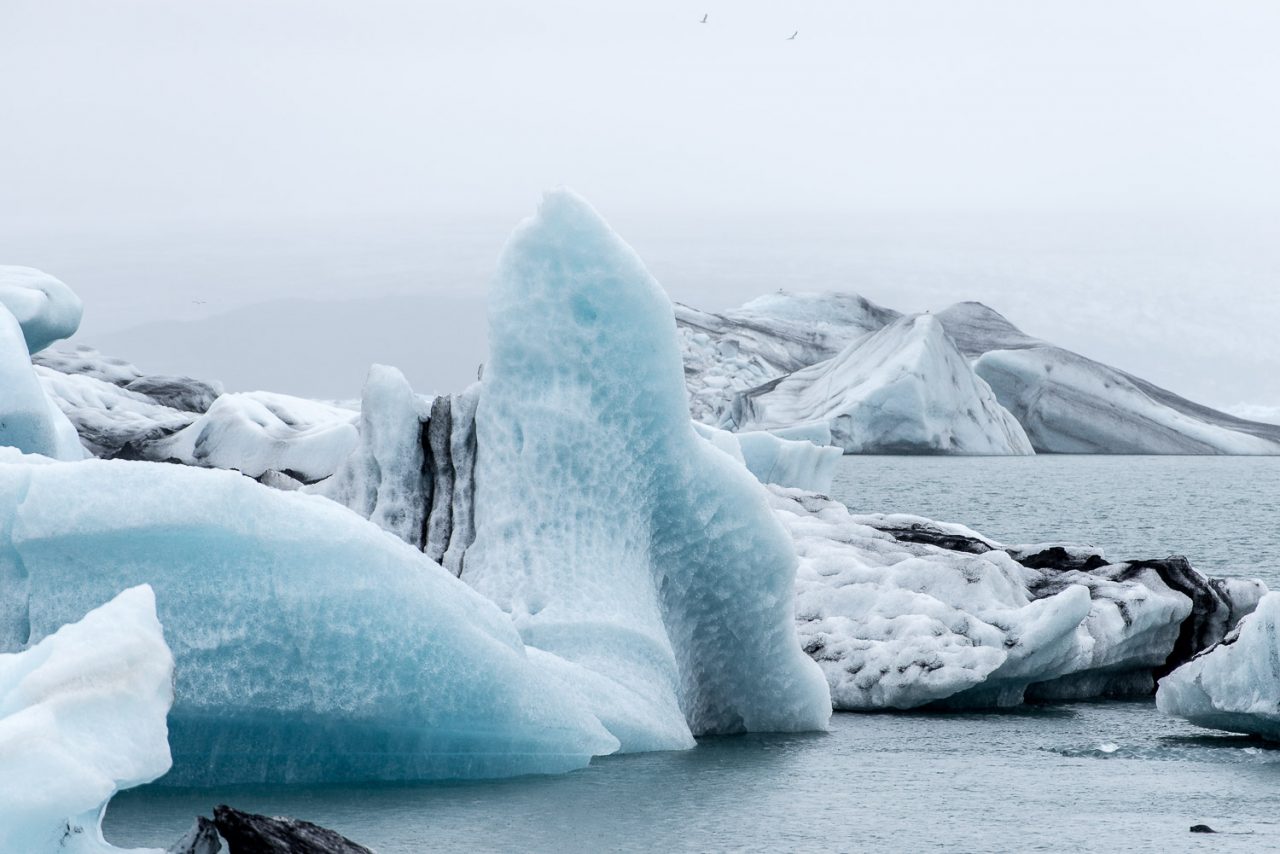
column 901, row 611
column 770, row 336
column 82, row 715
column 902, row 389
column 618, row 539
column 310, row 644
column 256, row 432
column 1234, row 686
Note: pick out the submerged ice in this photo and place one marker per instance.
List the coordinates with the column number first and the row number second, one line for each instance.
column 620, row 542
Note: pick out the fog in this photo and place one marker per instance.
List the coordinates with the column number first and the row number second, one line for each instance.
column 1104, row 173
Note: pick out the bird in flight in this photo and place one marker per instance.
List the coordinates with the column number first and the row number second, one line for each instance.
column 199, row 301
column 704, row 19
column 792, row 37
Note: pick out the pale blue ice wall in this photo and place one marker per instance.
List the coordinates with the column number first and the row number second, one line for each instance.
column 616, row 537
column 310, row 645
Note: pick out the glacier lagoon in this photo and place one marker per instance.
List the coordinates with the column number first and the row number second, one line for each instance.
column 1084, row 776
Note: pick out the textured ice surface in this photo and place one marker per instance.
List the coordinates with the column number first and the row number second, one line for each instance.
column 901, row 611
column 45, row 308
column 903, row 389
column 82, row 714
column 110, row 419
column 383, row 479
column 798, row 463
column 764, row 339
column 29, row 420
column 1234, row 686
column 256, row 432
column 310, row 644
column 618, row 539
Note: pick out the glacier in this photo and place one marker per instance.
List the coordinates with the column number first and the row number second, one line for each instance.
column 82, row 715
column 902, row 612
column 902, row 389
column 618, row 540
column 311, row 646
column 1235, row 685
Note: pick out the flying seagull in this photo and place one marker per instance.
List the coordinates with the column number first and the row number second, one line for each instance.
column 704, row 19
column 199, row 301
column 792, row 37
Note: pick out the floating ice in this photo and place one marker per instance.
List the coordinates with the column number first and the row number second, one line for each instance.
column 256, row 432
column 82, row 714
column 1073, row 405
column 903, row 389
column 900, row 612
column 617, row 539
column 798, row 463
column 770, row 336
column 310, row 645
column 110, row 419
column 45, row 308
column 1234, row 686
column 29, row 420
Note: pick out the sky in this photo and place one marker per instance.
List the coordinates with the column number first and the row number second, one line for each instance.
column 1104, row 173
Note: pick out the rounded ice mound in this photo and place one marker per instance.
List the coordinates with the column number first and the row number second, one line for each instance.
column 82, row 714
column 45, row 308
column 1234, row 686
column 29, row 419
column 311, row 646
column 616, row 537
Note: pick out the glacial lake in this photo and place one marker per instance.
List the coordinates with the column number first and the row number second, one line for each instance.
column 1114, row 776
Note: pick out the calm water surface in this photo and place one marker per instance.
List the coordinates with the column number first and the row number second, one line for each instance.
column 1084, row 776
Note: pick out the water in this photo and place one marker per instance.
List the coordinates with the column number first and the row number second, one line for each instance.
column 1223, row 513
column 1082, row 776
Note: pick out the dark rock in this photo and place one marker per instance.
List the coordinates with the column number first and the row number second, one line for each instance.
column 202, row 838
column 181, row 393
column 247, row 833
column 1202, row 828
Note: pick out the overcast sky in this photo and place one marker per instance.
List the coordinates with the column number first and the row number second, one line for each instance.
column 1089, row 167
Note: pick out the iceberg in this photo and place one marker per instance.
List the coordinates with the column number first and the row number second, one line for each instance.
column 311, row 646
column 384, row 478
column 257, row 432
column 902, row 389
column 29, row 419
column 801, row 463
column 1235, row 685
column 900, row 612
column 82, row 715
column 764, row 339
column 110, row 419
column 1070, row 404
column 45, row 308
column 618, row 540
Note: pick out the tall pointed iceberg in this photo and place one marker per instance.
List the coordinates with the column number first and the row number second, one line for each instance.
column 621, row 542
